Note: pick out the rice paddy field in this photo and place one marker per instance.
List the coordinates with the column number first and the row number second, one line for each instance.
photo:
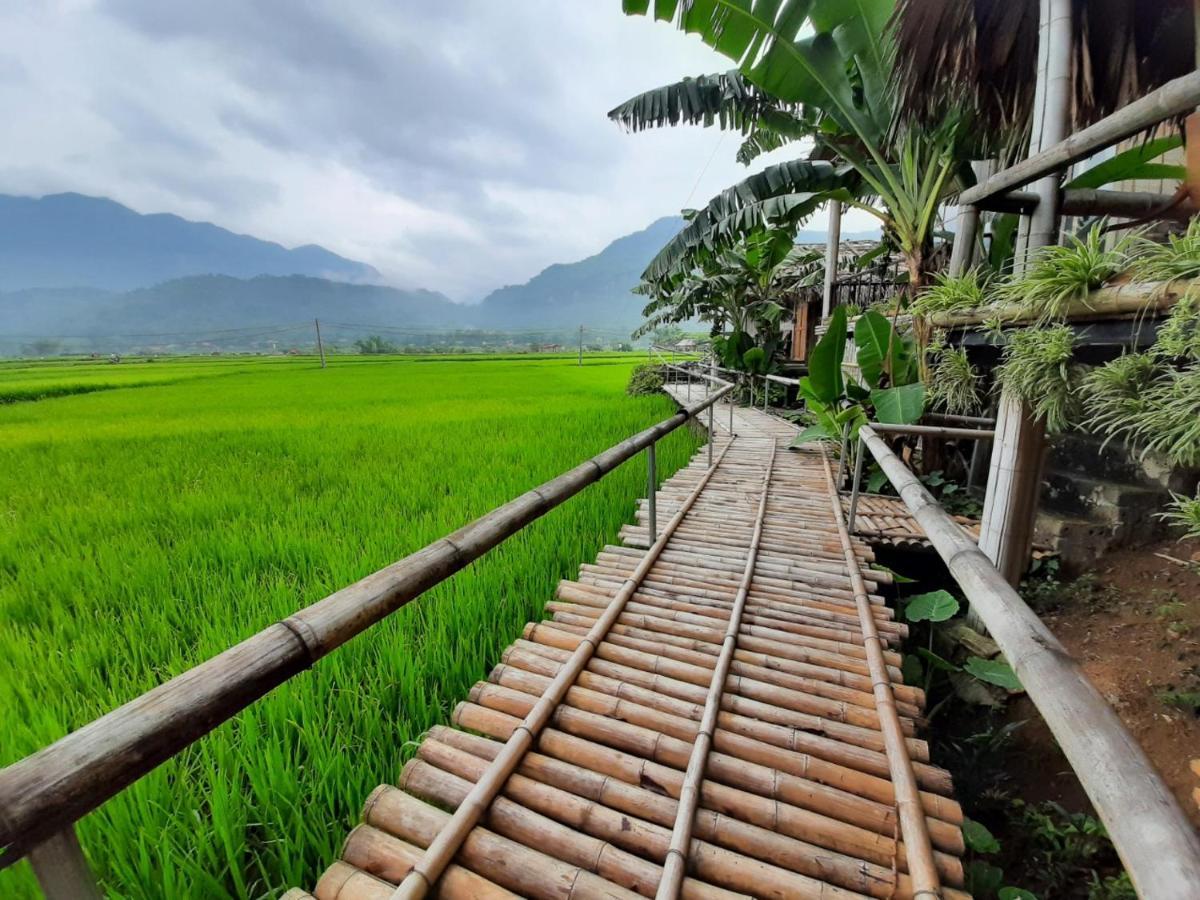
column 151, row 515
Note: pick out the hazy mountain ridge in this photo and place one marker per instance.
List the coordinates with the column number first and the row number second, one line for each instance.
column 70, row 240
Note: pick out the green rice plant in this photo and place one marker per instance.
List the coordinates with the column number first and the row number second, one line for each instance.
column 1183, row 512
column 954, row 382
column 144, row 530
column 950, row 293
column 1038, row 368
column 1057, row 276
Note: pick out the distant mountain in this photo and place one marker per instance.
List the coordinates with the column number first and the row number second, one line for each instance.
column 598, row 291
column 594, row 291
column 69, row 240
column 213, row 303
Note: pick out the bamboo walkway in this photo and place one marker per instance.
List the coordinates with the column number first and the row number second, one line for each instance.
column 725, row 737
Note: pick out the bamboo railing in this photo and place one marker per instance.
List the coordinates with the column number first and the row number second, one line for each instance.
column 1157, row 844
column 44, row 794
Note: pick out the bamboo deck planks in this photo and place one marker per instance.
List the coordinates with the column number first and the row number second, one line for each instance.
column 747, row 632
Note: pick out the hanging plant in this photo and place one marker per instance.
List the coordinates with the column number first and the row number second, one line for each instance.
column 1038, row 368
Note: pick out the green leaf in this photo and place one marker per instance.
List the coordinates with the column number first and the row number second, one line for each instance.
column 877, row 346
column 755, row 360
column 912, row 670
column 993, row 671
column 877, row 479
column 936, row 606
column 978, row 838
column 1133, row 164
column 899, row 405
column 825, row 359
column 812, row 433
column 857, row 392
column 1016, row 893
column 983, row 879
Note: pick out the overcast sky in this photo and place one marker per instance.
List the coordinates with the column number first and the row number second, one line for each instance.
column 456, row 145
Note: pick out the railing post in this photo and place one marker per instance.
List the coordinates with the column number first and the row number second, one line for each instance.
column 62, row 870
column 841, row 475
column 730, row 398
column 711, row 436
column 858, row 467
column 651, row 492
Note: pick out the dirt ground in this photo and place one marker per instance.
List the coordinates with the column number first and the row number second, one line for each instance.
column 1135, row 628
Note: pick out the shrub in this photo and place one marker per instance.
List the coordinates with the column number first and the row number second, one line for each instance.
column 645, row 379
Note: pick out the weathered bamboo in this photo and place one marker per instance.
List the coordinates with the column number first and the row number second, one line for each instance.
column 1175, row 98
column 1103, row 303
column 745, row 822
column 385, row 857
column 438, row 855
column 46, row 791
column 508, row 863
column 342, row 881
column 907, row 795
column 689, row 798
column 1156, row 843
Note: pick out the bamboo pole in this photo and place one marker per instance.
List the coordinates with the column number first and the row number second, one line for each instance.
column 1157, row 845
column 907, row 796
column 387, row 858
column 689, row 799
column 416, row 885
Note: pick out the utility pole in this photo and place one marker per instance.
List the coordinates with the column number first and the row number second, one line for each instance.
column 581, row 345
column 320, row 346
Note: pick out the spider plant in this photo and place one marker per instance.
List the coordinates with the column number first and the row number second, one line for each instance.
column 1137, row 400
column 1183, row 512
column 954, row 382
column 1061, row 275
column 1177, row 257
column 949, row 293
column 1038, row 368
column 1179, row 336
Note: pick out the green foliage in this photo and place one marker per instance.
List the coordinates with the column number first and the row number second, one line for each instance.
column 1059, row 275
column 884, row 357
column 935, row 606
column 901, row 405
column 825, row 360
column 993, row 671
column 953, row 293
column 145, row 530
column 1179, row 336
column 1038, row 368
column 977, row 838
column 1177, row 257
column 376, row 345
column 1066, row 848
column 953, row 382
column 645, row 379
column 1184, row 513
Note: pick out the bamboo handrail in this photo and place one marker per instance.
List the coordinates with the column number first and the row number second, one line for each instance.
column 49, row 790
column 442, row 850
column 1175, row 98
column 1157, row 844
column 914, row 828
column 689, row 797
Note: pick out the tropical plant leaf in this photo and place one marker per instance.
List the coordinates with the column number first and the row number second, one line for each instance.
column 825, row 359
column 877, row 479
column 935, row 606
column 978, row 838
column 726, row 99
column 1133, row 164
column 983, row 879
column 912, row 670
column 1015, row 893
column 993, row 671
column 937, row 662
column 810, row 434
column 899, row 405
column 877, row 344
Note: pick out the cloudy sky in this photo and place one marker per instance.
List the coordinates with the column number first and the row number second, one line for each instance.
column 453, row 144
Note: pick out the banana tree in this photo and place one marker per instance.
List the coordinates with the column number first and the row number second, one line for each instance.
column 827, row 64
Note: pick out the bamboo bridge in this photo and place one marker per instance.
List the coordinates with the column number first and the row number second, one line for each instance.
column 732, row 723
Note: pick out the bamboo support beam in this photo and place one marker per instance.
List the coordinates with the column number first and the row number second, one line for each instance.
column 1157, row 844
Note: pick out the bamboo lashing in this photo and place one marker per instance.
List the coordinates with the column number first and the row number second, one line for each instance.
column 921, row 865
column 689, row 798
column 443, row 849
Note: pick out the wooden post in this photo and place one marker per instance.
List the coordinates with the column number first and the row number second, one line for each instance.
column 652, row 492
column 833, row 240
column 62, row 870
column 581, row 345
column 1014, row 477
column 320, row 346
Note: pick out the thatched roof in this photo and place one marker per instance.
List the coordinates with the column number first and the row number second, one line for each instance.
column 985, row 52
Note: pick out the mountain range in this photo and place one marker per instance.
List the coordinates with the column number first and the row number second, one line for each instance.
column 86, row 267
